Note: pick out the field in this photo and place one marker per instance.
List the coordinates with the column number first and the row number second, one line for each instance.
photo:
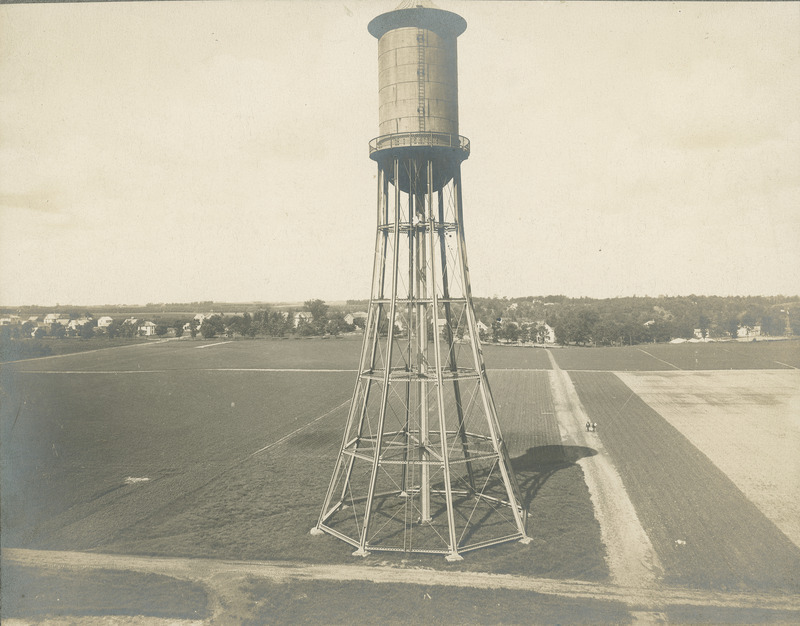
column 126, row 467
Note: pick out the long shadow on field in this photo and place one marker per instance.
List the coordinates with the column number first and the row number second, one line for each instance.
column 540, row 463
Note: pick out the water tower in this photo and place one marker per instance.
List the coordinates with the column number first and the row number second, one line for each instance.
column 422, row 467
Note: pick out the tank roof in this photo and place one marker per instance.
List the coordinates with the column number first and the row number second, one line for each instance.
column 410, row 4
column 424, row 14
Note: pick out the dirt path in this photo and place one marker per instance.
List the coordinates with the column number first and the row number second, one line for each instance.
column 222, row 578
column 631, row 558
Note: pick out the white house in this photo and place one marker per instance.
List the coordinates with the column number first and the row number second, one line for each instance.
column 744, row 332
column 104, row 321
column 302, row 316
column 75, row 324
column 351, row 317
column 545, row 333
column 148, row 329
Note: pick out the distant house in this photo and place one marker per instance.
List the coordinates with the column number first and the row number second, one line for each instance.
column 302, row 316
column 51, row 318
column 5, row 321
column 745, row 332
column 131, row 321
column 545, row 333
column 104, row 321
column 350, row 318
column 75, row 324
column 148, row 329
column 482, row 328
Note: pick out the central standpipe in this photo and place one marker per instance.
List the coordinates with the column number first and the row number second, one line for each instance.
column 422, row 465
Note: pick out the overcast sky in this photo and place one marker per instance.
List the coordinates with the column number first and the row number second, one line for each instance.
column 169, row 152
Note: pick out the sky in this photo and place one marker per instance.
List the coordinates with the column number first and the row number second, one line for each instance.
column 179, row 152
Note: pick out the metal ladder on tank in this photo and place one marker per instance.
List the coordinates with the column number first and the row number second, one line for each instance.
column 421, row 78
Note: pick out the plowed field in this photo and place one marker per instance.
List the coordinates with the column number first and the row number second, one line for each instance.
column 705, row 530
column 223, row 450
column 746, row 422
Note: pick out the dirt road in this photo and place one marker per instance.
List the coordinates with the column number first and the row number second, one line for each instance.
column 632, row 561
column 223, row 580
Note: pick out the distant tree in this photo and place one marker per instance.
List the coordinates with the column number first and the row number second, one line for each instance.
column 497, row 330
column 319, row 315
column 608, row 332
column 359, row 322
column 305, row 328
column 794, row 320
column 58, row 331
column 247, row 329
column 748, row 321
column 576, row 325
column 510, row 332
column 161, row 329
column 212, row 326
column 239, row 325
column 113, row 329
column 27, row 329
column 773, row 325
column 86, row 330
column 732, row 326
column 40, row 332
column 704, row 324
column 336, row 325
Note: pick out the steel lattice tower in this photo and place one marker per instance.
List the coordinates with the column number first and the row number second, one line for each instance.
column 422, row 465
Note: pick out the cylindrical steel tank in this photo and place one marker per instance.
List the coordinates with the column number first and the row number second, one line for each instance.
column 417, row 82
column 417, row 74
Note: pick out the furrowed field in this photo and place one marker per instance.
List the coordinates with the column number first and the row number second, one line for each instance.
column 219, row 449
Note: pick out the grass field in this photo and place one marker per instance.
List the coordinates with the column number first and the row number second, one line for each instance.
column 224, row 449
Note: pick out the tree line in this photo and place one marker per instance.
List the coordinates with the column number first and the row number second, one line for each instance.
column 581, row 321
column 635, row 320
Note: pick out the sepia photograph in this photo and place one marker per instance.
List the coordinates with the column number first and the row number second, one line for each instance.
column 399, row 312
